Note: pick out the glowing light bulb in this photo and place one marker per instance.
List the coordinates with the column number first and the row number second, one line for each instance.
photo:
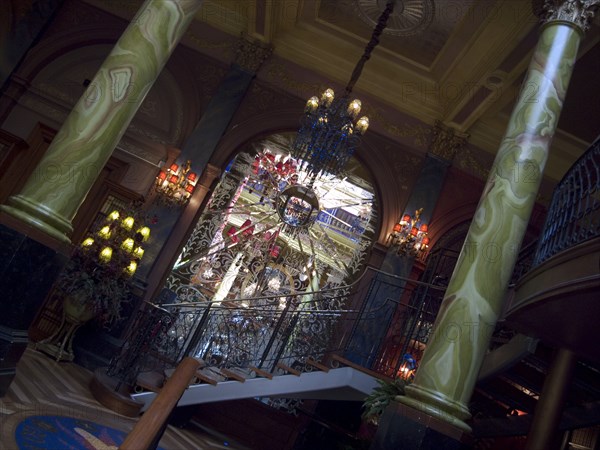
column 327, row 97
column 131, row 268
column 113, row 215
column 128, row 223
column 354, row 108
column 145, row 232
column 312, row 104
column 127, row 245
column 362, row 125
column 105, row 254
column 139, row 252
column 104, row 232
column 87, row 243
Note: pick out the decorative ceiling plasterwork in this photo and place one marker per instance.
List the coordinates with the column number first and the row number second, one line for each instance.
column 408, row 18
column 468, row 162
column 414, row 132
column 278, row 73
column 446, row 141
column 418, row 133
column 250, row 55
column 464, row 45
column 262, row 98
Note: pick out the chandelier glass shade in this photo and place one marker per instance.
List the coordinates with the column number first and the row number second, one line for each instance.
column 409, row 235
column 175, row 185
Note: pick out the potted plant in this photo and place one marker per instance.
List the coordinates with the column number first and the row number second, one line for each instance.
column 375, row 404
column 96, row 281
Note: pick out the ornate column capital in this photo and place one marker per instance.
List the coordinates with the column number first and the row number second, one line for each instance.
column 446, row 141
column 250, row 54
column 574, row 12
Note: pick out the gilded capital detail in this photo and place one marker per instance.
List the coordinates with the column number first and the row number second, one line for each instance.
column 578, row 12
column 446, row 141
column 250, row 54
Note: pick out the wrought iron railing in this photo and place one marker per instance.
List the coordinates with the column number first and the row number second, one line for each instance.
column 524, row 261
column 574, row 213
column 270, row 333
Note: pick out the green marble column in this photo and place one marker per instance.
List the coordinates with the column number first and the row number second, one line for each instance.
column 446, row 377
column 92, row 130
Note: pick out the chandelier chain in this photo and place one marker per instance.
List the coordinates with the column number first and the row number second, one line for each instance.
column 381, row 24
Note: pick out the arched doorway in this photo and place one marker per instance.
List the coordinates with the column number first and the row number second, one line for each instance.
column 263, row 275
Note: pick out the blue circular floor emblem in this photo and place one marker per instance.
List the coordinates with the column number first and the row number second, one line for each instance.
column 59, row 432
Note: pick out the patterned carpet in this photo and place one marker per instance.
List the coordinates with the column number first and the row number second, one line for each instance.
column 50, row 407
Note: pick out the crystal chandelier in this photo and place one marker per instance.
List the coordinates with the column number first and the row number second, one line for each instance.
column 330, row 130
column 175, row 185
column 409, row 235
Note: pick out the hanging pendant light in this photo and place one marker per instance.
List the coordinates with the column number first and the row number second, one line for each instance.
column 331, row 129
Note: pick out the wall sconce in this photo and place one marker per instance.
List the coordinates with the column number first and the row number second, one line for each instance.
column 175, row 185
column 409, row 235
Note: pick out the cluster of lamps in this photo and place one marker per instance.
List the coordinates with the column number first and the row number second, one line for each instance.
column 117, row 245
column 329, row 133
column 331, row 129
column 176, row 184
column 409, row 235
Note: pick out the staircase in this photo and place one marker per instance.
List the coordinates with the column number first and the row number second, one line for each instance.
column 211, row 384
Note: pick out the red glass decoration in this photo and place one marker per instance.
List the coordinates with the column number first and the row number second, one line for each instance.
column 232, row 234
column 414, row 231
column 174, row 179
column 192, row 176
column 423, row 228
column 173, row 167
column 397, row 228
column 189, row 188
column 162, row 175
column 248, row 229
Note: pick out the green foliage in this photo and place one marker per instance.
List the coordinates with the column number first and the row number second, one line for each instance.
column 380, row 398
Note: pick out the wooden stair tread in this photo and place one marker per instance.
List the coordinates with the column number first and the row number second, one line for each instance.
column 261, row 372
column 288, row 369
column 148, row 386
column 150, row 381
column 318, row 365
column 232, row 374
column 214, row 372
column 206, row 378
column 364, row 370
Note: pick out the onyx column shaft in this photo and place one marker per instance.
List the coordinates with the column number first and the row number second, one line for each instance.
column 83, row 145
column 473, row 301
column 36, row 223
